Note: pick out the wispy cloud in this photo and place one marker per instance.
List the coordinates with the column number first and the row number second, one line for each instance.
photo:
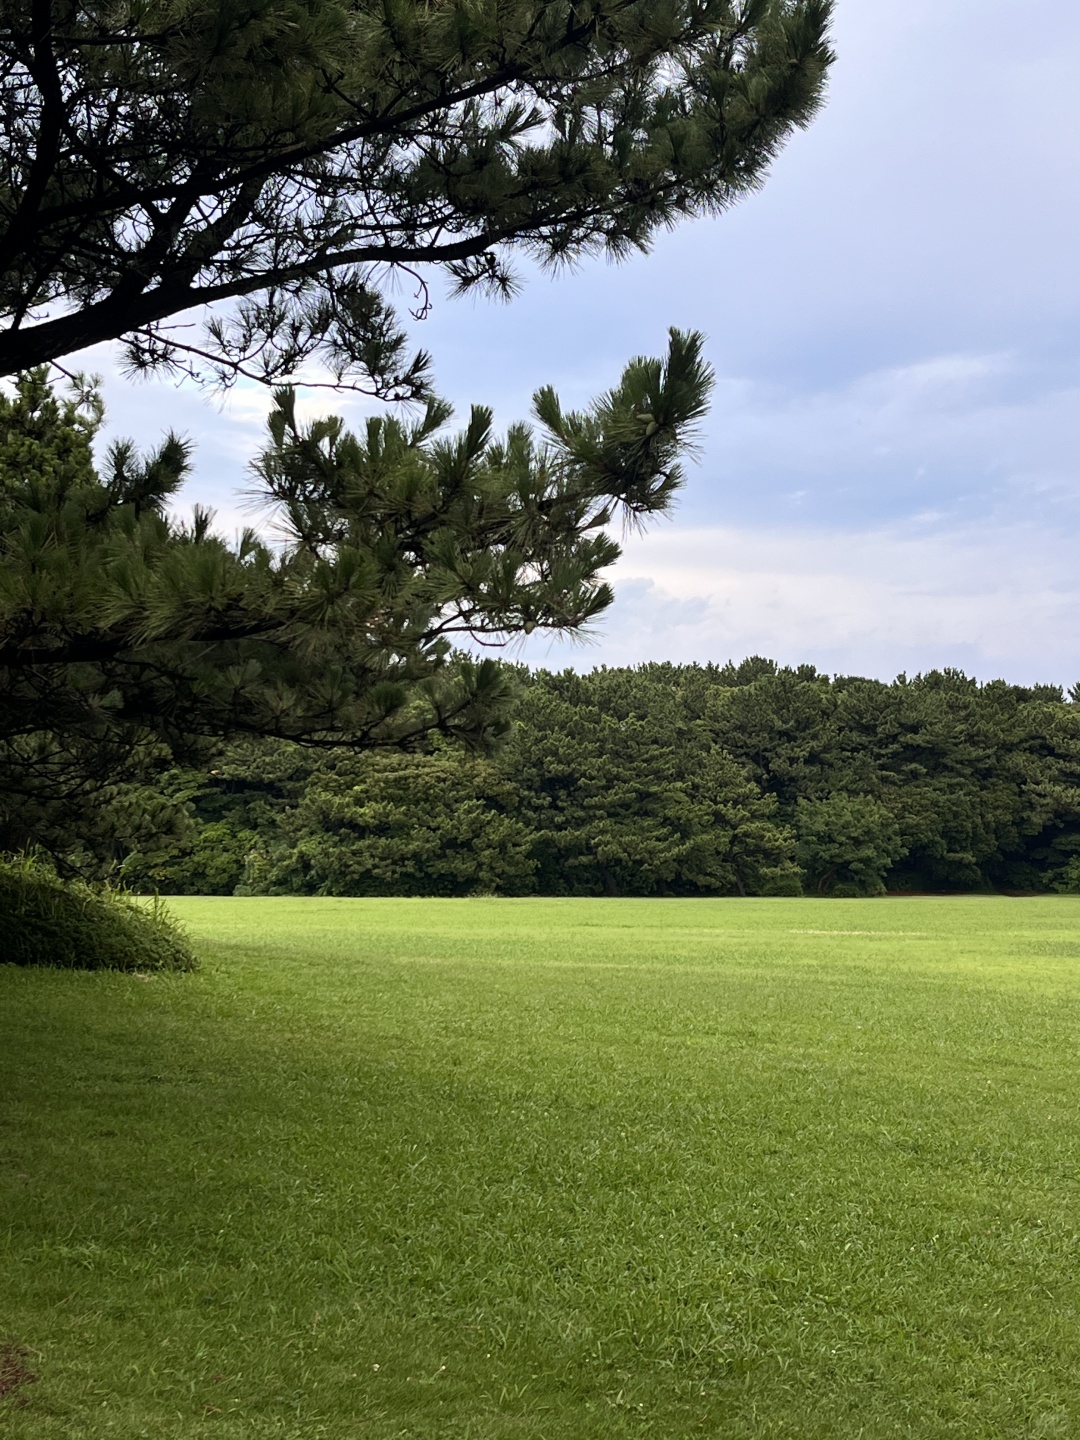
column 871, row 602
column 967, row 435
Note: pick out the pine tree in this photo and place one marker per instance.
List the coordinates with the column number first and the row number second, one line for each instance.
column 128, row 638
column 284, row 161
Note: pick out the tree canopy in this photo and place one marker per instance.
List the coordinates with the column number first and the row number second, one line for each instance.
column 665, row 779
column 290, row 159
column 128, row 636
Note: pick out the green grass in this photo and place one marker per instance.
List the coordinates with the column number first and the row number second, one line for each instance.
column 520, row 1169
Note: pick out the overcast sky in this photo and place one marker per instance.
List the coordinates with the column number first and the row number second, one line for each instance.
column 890, row 475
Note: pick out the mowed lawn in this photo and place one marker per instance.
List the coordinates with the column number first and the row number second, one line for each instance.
column 494, row 1169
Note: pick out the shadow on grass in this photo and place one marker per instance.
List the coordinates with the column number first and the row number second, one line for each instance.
column 232, row 1214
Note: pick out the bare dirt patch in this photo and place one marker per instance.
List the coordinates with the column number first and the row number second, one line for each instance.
column 14, row 1372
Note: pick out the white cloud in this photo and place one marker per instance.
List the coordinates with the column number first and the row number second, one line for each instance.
column 975, row 456
column 996, row 602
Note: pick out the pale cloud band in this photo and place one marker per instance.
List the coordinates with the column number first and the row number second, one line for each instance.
column 993, row 602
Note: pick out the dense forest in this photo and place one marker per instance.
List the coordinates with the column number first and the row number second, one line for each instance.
column 749, row 779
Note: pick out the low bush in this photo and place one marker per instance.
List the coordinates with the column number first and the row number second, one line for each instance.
column 45, row 920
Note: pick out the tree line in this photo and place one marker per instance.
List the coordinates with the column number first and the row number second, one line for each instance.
column 692, row 780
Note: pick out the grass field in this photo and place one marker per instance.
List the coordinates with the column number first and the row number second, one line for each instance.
column 520, row 1169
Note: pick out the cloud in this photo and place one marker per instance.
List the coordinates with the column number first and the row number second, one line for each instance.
column 963, row 435
column 911, row 516
column 871, row 602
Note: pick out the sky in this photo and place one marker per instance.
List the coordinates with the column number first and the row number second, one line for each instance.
column 889, row 478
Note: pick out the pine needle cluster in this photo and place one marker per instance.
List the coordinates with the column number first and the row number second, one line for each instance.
column 128, row 636
column 290, row 163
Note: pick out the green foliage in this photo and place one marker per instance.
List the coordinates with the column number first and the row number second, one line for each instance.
column 129, row 639
column 675, row 780
column 625, row 795
column 1065, row 880
column 400, row 825
column 847, row 844
column 982, row 783
column 67, row 744
column 45, row 920
column 212, row 862
column 298, row 158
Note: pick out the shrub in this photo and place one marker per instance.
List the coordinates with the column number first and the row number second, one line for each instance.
column 211, row 864
column 375, row 824
column 846, row 844
column 45, row 920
